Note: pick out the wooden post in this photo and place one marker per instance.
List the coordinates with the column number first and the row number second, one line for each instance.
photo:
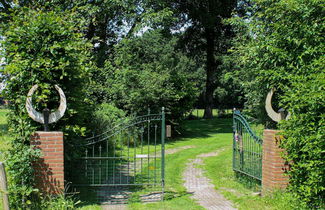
column 3, row 187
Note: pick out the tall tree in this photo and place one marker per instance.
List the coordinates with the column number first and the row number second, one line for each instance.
column 203, row 19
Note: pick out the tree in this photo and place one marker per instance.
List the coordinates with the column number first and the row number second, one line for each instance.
column 281, row 45
column 204, row 23
column 148, row 72
column 107, row 22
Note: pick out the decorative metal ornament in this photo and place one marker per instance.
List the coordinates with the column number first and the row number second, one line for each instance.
column 46, row 117
column 275, row 116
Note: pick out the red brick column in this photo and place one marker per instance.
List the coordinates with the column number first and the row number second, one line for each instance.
column 273, row 165
column 49, row 169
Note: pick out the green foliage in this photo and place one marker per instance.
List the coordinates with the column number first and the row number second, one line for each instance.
column 281, row 45
column 18, row 162
column 42, row 48
column 106, row 117
column 305, row 138
column 148, row 72
column 229, row 93
column 58, row 203
column 206, row 36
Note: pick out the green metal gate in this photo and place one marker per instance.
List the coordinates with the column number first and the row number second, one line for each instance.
column 126, row 163
column 247, row 148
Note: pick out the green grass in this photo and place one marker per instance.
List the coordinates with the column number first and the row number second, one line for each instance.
column 218, row 170
column 4, row 136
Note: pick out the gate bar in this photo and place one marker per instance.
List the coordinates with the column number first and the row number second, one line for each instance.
column 163, row 150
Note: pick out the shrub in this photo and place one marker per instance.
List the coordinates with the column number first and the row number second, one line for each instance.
column 42, row 48
column 305, row 138
column 106, row 117
column 281, row 45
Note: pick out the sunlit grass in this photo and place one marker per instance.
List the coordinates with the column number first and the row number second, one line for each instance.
column 4, row 136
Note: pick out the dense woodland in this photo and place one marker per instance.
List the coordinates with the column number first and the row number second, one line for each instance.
column 117, row 58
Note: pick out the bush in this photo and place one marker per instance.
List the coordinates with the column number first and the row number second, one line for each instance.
column 305, row 138
column 106, row 117
column 43, row 48
column 281, row 45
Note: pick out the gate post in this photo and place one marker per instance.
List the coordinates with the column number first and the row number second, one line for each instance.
column 163, row 124
column 49, row 168
column 274, row 166
column 3, row 187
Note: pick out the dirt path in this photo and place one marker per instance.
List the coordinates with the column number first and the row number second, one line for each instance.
column 200, row 186
column 177, row 149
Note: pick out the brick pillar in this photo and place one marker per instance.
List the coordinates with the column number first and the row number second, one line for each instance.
column 49, row 169
column 273, row 165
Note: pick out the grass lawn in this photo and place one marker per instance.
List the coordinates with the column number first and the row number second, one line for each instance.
column 206, row 136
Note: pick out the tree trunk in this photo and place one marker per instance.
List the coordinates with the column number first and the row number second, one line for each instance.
column 91, row 31
column 103, row 45
column 210, row 73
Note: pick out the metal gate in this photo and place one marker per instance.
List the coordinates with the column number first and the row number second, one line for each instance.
column 247, row 148
column 126, row 163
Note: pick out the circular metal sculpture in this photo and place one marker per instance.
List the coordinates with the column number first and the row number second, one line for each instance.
column 275, row 116
column 46, row 117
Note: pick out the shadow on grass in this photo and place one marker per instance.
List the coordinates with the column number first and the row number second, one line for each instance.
column 202, row 128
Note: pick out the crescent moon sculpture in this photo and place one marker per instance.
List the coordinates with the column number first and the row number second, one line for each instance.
column 39, row 117
column 275, row 116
